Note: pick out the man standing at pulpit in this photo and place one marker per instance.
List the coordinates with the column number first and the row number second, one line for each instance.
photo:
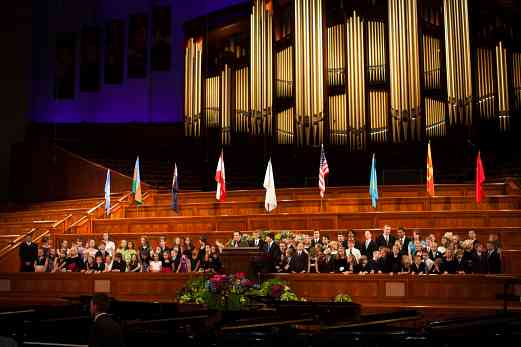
column 237, row 241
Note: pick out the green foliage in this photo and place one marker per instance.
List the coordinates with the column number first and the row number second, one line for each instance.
column 343, row 298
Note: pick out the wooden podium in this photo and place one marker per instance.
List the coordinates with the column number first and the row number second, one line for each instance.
column 240, row 259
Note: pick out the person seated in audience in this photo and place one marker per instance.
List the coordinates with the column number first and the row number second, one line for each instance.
column 237, row 241
column 40, row 264
column 493, row 258
column 341, row 239
column 472, row 236
column 333, row 247
column 449, row 261
column 215, row 258
column 73, row 262
column 351, row 237
column 395, row 259
column 122, row 249
column 118, row 264
column 405, row 267
column 166, row 264
column 144, row 260
column 369, row 245
column 163, row 247
column 256, row 240
column 442, row 248
column 144, row 249
column 438, row 268
column 325, row 262
column 59, row 261
column 386, row 239
column 175, row 258
column 88, row 265
column 415, row 247
column 316, row 238
column 325, row 240
column 102, row 252
column 202, row 248
column 374, row 263
column 99, row 265
column 28, row 253
column 461, row 265
column 341, row 261
column 51, row 260
column 80, row 247
column 418, row 266
column 156, row 264
column 195, row 262
column 352, row 250
column 479, row 259
column 108, row 263
column 189, row 246
column 91, row 248
column 110, row 246
column 433, row 250
column 133, row 264
column 404, row 240
column 301, row 259
column 177, row 244
column 494, row 238
column 64, row 246
column 363, row 267
column 384, row 260
column 185, row 264
column 46, row 246
column 352, row 265
column 314, row 254
column 130, row 251
column 427, row 260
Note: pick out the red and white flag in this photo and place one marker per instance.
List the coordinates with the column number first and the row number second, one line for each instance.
column 322, row 173
column 220, row 178
column 480, row 179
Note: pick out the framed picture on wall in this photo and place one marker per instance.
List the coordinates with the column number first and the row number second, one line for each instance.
column 114, row 52
column 161, row 38
column 137, row 46
column 65, row 66
column 90, row 68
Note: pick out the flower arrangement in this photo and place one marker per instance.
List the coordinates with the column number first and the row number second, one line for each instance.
column 343, row 298
column 232, row 292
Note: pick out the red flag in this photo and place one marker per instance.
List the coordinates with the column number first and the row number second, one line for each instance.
column 220, row 178
column 430, row 172
column 480, row 179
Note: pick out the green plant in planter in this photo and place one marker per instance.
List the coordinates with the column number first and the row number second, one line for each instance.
column 343, row 298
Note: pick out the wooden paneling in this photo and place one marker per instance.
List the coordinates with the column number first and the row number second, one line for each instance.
column 463, row 291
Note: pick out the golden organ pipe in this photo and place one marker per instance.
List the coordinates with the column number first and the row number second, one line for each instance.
column 378, row 111
column 192, row 83
column 503, row 98
column 516, row 72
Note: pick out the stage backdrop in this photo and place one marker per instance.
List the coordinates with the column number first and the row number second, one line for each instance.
column 113, row 91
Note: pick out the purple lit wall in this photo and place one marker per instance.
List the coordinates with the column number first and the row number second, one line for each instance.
column 156, row 99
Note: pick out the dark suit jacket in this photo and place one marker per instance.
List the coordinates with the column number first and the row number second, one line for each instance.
column 417, row 269
column 261, row 243
column 494, row 262
column 380, row 241
column 301, row 262
column 106, row 332
column 28, row 253
column 479, row 263
column 405, row 249
column 273, row 253
column 368, row 251
column 313, row 242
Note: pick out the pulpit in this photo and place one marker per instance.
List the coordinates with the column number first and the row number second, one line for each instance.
column 241, row 259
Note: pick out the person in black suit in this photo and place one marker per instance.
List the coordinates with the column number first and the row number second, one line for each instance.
column 256, row 241
column 272, row 250
column 301, row 259
column 28, row 253
column 395, row 259
column 479, row 259
column 374, row 263
column 461, row 264
column 316, row 238
column 351, row 237
column 386, row 239
column 342, row 241
column 404, row 240
column 493, row 259
column 369, row 245
column 418, row 266
column 105, row 331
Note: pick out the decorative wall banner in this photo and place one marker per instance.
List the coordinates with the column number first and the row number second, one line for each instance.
column 114, row 52
column 137, row 46
column 65, row 64
column 90, row 67
column 161, row 38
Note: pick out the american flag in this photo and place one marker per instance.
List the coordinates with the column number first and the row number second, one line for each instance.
column 322, row 173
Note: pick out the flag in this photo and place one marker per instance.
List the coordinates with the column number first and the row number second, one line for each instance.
column 136, row 184
column 175, row 190
column 220, row 178
column 107, row 193
column 373, row 183
column 430, row 172
column 480, row 179
column 322, row 173
column 270, row 202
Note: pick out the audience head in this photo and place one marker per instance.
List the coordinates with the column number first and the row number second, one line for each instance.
column 400, row 232
column 340, row 237
column 28, row 238
column 270, row 237
column 368, row 235
column 316, row 234
column 472, row 235
column 387, row 229
column 144, row 241
column 236, row 236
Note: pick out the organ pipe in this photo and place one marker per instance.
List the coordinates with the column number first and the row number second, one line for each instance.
column 192, row 106
column 378, row 112
column 356, row 82
column 335, row 60
column 309, row 80
column 516, row 79
column 431, row 62
column 502, row 87
column 337, row 119
column 457, row 53
column 435, row 114
column 376, row 51
column 212, row 101
column 226, row 98
column 404, row 70
column 485, row 83
column 261, row 79
column 284, row 84
column 242, row 106
column 285, row 126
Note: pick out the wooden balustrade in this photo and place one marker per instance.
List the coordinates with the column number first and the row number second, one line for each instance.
column 456, row 292
column 336, row 205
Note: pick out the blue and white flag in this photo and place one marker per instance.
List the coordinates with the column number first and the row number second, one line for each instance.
column 107, row 193
column 373, row 183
